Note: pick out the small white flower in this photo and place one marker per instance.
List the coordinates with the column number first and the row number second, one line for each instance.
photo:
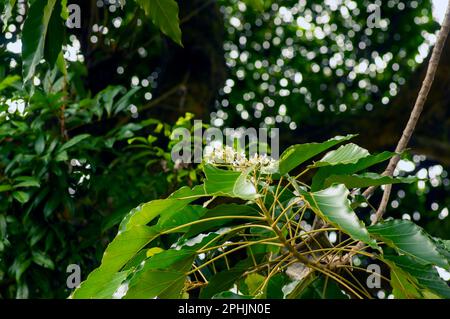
column 218, row 154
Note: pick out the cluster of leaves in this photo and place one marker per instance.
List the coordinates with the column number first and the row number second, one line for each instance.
column 66, row 156
column 71, row 164
column 244, row 234
column 62, row 188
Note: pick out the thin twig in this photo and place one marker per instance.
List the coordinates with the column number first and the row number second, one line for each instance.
column 417, row 110
column 410, row 126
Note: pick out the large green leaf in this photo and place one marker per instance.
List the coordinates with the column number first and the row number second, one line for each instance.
column 332, row 205
column 320, row 287
column 164, row 284
column 425, row 276
column 218, row 211
column 346, row 154
column 443, row 246
column 180, row 260
column 117, row 254
column 221, row 182
column 112, row 286
column 34, row 35
column 366, row 180
column 134, row 235
column 274, row 289
column 164, row 14
column 204, row 240
column 174, row 219
column 145, row 283
column 409, row 239
column 404, row 286
column 145, row 213
column 55, row 36
column 300, row 153
column 347, row 169
column 224, row 280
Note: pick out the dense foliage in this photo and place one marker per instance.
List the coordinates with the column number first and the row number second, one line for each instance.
column 86, row 117
column 269, row 241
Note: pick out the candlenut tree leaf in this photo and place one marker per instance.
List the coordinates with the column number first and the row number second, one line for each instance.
column 34, row 34
column 164, row 14
column 409, row 239
column 332, row 205
column 295, row 155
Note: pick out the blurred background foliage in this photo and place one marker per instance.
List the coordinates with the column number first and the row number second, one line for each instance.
column 80, row 148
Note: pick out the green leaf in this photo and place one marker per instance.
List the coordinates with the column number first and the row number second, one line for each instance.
column 43, row 260
column 62, row 156
column 117, row 254
column 409, row 239
column 26, row 181
column 145, row 213
column 443, row 246
column 108, row 95
column 403, row 285
column 221, row 182
column 322, row 287
column 275, row 286
column 19, row 266
column 21, row 197
column 3, row 226
column 300, row 153
column 124, row 101
column 347, row 169
column 201, row 240
column 332, row 205
column 72, row 142
column 34, row 35
column 144, row 283
column 164, row 14
column 180, row 260
column 254, row 282
column 64, row 10
column 221, row 281
column 294, row 289
column 221, row 210
column 425, row 276
column 7, row 13
column 39, row 144
column 346, row 154
column 258, row 5
column 175, row 218
column 164, row 284
column 114, row 283
column 5, row 188
column 224, row 280
column 55, row 37
column 230, row 295
column 366, row 180
column 8, row 81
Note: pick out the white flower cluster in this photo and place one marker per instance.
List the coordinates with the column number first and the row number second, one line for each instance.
column 218, row 154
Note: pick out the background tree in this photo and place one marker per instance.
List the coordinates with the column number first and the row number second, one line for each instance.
column 313, row 69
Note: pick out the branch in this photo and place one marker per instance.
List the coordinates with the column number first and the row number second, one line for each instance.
column 417, row 110
column 409, row 129
column 415, row 114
